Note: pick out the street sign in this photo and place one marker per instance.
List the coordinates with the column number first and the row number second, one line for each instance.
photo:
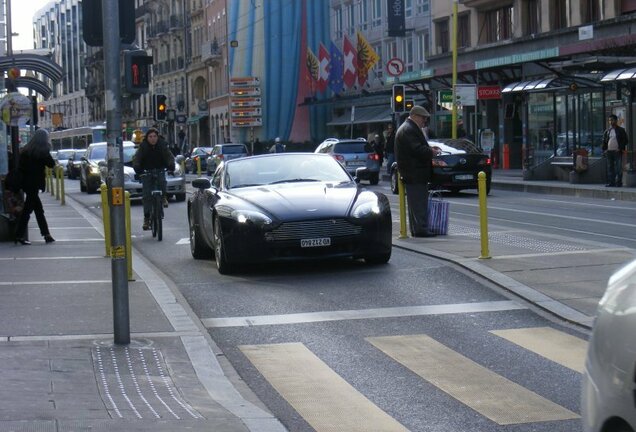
column 244, row 81
column 247, row 122
column 466, row 94
column 395, row 67
column 246, row 102
column 488, row 92
column 445, row 96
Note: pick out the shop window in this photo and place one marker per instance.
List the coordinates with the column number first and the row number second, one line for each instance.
column 442, row 38
column 530, row 17
column 558, row 14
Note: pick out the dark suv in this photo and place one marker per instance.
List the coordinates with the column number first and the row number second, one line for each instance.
column 356, row 155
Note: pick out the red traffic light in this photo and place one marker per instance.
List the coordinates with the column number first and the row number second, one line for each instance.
column 42, row 109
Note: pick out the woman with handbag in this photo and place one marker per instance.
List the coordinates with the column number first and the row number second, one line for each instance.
column 34, row 157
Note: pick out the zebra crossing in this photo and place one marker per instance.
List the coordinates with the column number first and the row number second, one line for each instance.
column 327, row 402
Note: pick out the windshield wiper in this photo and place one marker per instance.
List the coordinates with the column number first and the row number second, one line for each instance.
column 296, row 180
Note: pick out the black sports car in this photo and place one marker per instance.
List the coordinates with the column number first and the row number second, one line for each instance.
column 456, row 167
column 286, row 206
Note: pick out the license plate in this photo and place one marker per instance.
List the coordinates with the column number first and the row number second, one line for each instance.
column 315, row 242
column 357, row 163
column 464, row 177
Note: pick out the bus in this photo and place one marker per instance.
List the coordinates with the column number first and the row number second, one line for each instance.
column 77, row 138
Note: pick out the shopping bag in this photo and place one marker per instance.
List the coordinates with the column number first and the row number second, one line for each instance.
column 438, row 212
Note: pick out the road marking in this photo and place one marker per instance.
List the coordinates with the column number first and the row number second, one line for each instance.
column 584, row 204
column 321, row 396
column 49, row 282
column 185, row 240
column 560, row 347
column 52, row 258
column 392, row 312
column 488, row 393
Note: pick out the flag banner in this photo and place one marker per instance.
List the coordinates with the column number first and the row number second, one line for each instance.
column 396, row 18
column 323, row 73
column 336, row 68
column 313, row 66
column 350, row 63
column 367, row 57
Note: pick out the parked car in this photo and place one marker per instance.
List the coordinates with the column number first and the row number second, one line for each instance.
column 90, row 177
column 224, row 152
column 198, row 153
column 354, row 154
column 457, row 166
column 286, row 206
column 175, row 179
column 62, row 158
column 74, row 166
column 609, row 378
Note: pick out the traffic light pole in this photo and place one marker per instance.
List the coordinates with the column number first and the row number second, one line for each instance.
column 115, row 156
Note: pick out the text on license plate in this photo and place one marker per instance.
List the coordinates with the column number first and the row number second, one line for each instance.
column 464, row 177
column 315, row 242
column 355, row 163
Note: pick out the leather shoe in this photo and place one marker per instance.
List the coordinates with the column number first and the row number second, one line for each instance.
column 425, row 234
column 610, row 185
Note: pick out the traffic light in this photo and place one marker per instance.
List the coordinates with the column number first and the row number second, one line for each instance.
column 409, row 104
column 160, row 107
column 42, row 110
column 92, row 22
column 137, row 71
column 398, row 101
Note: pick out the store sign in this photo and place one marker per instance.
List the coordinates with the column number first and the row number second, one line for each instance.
column 488, row 92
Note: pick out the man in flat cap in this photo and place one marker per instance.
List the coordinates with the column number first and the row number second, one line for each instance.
column 414, row 159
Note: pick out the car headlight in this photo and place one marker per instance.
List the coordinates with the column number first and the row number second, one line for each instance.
column 251, row 216
column 93, row 169
column 177, row 170
column 369, row 208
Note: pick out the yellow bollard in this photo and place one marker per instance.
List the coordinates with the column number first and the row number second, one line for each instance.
column 483, row 215
column 58, row 170
column 402, row 199
column 199, row 166
column 128, row 236
column 183, row 166
column 105, row 217
column 49, row 178
column 62, row 193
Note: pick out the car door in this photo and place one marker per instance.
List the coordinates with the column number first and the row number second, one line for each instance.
column 209, row 199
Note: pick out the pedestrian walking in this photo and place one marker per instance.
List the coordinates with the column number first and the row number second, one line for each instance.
column 34, row 157
column 614, row 144
column 414, row 158
column 390, row 147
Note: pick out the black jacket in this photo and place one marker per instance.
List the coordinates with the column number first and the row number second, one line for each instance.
column 621, row 137
column 150, row 157
column 413, row 155
column 31, row 169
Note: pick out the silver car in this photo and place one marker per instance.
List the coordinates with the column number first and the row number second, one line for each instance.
column 356, row 155
column 224, row 152
column 609, row 379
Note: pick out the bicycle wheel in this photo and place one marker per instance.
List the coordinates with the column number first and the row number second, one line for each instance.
column 153, row 216
column 159, row 216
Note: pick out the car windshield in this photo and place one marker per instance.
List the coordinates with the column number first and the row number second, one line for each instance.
column 234, row 149
column 202, row 151
column 63, row 155
column 456, row 146
column 98, row 152
column 351, row 147
column 284, row 168
column 129, row 153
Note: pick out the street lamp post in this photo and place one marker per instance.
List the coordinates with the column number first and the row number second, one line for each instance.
column 454, row 48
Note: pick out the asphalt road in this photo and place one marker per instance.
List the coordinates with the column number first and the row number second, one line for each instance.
column 413, row 345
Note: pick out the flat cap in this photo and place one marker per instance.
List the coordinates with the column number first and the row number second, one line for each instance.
column 420, row 111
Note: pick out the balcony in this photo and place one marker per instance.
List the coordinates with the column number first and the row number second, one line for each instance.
column 211, row 53
column 481, row 4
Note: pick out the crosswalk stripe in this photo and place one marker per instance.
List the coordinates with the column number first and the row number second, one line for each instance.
column 321, row 396
column 555, row 345
column 488, row 393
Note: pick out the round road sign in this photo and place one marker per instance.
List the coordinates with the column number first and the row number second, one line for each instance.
column 395, row 67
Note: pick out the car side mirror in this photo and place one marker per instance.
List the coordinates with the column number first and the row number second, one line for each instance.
column 179, row 159
column 102, row 164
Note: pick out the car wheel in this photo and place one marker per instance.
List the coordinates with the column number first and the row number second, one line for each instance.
column 198, row 249
column 488, row 188
column 378, row 258
column 374, row 179
column 454, row 191
column 180, row 197
column 82, row 186
column 219, row 249
column 394, row 182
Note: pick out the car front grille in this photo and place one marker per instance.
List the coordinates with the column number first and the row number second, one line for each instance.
column 313, row 229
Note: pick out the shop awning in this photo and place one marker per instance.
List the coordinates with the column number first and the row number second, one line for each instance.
column 196, row 118
column 549, row 83
column 363, row 115
column 619, row 75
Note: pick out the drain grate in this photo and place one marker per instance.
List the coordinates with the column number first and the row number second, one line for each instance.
column 134, row 383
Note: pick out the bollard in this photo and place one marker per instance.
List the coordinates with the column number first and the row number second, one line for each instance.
column 183, row 166
column 62, row 192
column 199, row 166
column 483, row 215
column 49, row 173
column 58, row 171
column 506, row 157
column 402, row 199
column 105, row 217
column 128, row 236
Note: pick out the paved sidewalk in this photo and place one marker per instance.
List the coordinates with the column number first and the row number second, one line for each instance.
column 60, row 368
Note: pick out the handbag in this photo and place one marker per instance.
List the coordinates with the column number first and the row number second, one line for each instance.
column 438, row 213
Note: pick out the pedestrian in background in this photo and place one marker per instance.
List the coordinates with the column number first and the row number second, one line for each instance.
column 414, row 158
column 34, row 157
column 389, row 149
column 614, row 144
column 378, row 147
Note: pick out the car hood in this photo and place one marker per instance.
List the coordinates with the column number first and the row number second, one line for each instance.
column 301, row 200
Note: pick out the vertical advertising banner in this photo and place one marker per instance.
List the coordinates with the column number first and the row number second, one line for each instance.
column 397, row 23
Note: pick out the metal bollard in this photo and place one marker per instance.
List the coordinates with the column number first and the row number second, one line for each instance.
column 483, row 215
column 49, row 178
column 62, row 192
column 199, row 166
column 105, row 217
column 402, row 199
column 183, row 166
column 128, row 236
column 56, row 173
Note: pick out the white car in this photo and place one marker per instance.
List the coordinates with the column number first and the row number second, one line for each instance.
column 608, row 402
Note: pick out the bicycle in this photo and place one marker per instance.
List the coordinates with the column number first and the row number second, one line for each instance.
column 156, row 209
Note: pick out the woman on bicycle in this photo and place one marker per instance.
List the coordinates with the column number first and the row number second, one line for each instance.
column 153, row 154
